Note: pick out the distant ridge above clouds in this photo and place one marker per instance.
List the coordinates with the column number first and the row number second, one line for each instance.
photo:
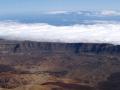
column 103, row 12
column 67, row 18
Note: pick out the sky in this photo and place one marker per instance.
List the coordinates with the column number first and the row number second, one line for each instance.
column 37, row 6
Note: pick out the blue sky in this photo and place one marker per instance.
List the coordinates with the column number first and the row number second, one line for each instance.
column 36, row 6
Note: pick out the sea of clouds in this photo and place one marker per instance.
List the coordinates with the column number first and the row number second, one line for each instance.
column 95, row 33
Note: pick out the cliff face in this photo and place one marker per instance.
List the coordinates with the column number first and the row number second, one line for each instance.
column 43, row 47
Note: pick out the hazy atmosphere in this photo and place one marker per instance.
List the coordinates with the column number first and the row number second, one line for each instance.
column 59, row 44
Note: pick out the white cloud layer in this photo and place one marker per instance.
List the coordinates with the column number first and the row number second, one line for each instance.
column 97, row 33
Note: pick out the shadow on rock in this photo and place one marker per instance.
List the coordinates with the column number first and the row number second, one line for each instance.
column 69, row 86
column 112, row 83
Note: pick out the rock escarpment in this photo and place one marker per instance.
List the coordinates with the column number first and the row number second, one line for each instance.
column 49, row 47
column 36, row 63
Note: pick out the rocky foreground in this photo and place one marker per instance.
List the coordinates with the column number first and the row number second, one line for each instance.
column 26, row 65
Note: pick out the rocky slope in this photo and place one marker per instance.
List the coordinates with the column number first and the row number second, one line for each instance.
column 26, row 65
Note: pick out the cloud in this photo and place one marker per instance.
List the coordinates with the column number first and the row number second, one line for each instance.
column 58, row 12
column 110, row 13
column 97, row 33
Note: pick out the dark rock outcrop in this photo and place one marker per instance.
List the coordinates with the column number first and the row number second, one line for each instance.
column 112, row 83
column 69, row 86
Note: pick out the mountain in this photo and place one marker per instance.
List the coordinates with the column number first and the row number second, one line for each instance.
column 63, row 18
column 59, row 66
